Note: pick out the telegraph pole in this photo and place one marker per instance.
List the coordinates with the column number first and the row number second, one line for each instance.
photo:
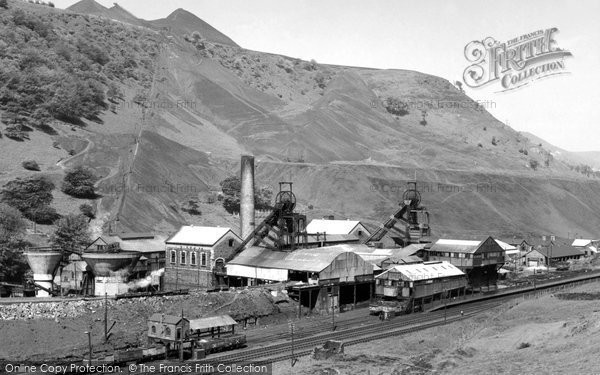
column 445, row 302
column 105, row 316
column 293, row 360
column 89, row 334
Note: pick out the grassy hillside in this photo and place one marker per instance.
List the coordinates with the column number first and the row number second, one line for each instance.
column 171, row 104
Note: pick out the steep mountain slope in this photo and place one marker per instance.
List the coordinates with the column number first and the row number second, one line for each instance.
column 183, row 22
column 173, row 136
column 574, row 159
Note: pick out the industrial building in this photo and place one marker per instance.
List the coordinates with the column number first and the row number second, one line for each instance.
column 193, row 253
column 420, row 283
column 587, row 247
column 111, row 266
column 328, row 226
column 257, row 265
column 544, row 256
column 167, row 330
column 480, row 260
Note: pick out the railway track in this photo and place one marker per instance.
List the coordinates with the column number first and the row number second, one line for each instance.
column 350, row 336
column 401, row 325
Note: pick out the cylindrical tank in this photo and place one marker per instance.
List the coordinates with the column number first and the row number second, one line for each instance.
column 247, row 196
column 43, row 263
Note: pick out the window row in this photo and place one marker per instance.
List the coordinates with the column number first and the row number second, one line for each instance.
column 193, row 257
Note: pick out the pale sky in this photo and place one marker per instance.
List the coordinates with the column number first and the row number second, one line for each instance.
column 429, row 37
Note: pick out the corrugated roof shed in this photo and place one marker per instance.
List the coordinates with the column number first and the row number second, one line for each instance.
column 560, row 251
column 212, row 322
column 421, row 271
column 580, row 242
column 456, row 246
column 194, row 235
column 331, row 226
column 135, row 235
column 142, row 245
column 504, row 245
column 309, row 260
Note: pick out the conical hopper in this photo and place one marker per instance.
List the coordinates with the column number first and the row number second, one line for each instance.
column 103, row 264
column 43, row 263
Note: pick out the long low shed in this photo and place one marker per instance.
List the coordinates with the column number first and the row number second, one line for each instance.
column 316, row 264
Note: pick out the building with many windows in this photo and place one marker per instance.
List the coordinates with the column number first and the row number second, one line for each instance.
column 480, row 260
column 193, row 252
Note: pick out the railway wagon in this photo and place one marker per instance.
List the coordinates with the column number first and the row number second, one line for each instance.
column 219, row 344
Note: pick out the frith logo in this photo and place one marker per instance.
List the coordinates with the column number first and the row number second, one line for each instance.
column 515, row 63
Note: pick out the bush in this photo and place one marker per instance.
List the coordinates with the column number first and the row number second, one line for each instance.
column 494, row 142
column 16, row 135
column 27, row 194
column 79, row 183
column 42, row 215
column 533, row 164
column 31, row 165
column 524, row 345
column 192, row 208
column 320, row 80
column 4, row 4
column 396, row 106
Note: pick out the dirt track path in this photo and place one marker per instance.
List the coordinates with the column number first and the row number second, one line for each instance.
column 61, row 163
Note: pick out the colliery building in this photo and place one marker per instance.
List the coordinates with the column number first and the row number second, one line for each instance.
column 479, row 260
column 337, row 230
column 421, row 283
column 193, row 252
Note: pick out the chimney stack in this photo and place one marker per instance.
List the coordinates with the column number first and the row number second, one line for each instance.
column 247, row 196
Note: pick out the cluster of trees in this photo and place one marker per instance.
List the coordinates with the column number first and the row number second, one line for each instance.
column 396, row 106
column 585, row 170
column 231, row 188
column 71, row 234
column 50, row 70
column 32, row 197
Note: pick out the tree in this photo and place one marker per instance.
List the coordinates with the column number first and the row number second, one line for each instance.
column 423, row 115
column 114, row 93
column 29, row 195
column 12, row 224
column 263, row 198
column 71, row 234
column 192, row 208
column 79, row 183
column 87, row 210
column 13, row 265
column 4, row 4
column 459, row 86
column 232, row 187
